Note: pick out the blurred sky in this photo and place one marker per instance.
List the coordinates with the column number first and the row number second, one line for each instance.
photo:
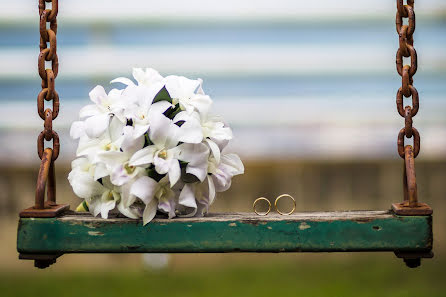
column 295, row 79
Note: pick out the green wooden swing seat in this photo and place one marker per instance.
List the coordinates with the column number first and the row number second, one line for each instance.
column 350, row 231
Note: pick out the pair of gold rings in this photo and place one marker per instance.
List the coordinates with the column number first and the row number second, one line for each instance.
column 275, row 205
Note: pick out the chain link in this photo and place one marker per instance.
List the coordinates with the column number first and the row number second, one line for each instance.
column 48, row 76
column 406, row 49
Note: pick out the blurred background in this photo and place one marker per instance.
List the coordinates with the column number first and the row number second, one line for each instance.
column 309, row 89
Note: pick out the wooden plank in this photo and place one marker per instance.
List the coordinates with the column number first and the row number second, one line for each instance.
column 235, row 232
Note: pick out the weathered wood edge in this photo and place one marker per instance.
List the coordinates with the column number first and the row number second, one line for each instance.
column 357, row 215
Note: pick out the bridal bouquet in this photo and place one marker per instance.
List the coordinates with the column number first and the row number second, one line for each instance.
column 151, row 147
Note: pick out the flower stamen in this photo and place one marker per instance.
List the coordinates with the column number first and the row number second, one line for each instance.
column 129, row 169
column 163, row 154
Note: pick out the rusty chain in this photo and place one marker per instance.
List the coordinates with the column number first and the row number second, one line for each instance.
column 46, row 178
column 406, row 49
column 410, row 205
column 48, row 76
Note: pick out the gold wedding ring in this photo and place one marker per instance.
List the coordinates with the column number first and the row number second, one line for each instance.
column 277, row 200
column 261, row 213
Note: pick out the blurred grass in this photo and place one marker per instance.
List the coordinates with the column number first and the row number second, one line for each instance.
column 274, row 275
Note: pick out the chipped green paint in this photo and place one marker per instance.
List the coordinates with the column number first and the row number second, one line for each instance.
column 306, row 232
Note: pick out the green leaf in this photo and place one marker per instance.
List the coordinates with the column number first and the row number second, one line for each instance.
column 172, row 112
column 163, row 95
column 147, row 140
column 180, row 123
column 83, row 207
column 176, row 111
column 188, row 177
column 151, row 172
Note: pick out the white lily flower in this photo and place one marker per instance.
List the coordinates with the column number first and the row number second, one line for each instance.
column 128, row 205
column 164, row 152
column 140, row 108
column 215, row 129
column 222, row 173
column 196, row 156
column 187, row 201
column 215, row 132
column 82, row 180
column 97, row 116
column 117, row 162
column 205, row 196
column 101, row 198
column 109, row 141
column 105, row 202
column 168, row 207
column 142, row 114
column 195, row 198
column 151, row 193
column 188, row 94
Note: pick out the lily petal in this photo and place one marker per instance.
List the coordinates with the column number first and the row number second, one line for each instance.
column 96, row 125
column 129, row 212
column 190, row 131
column 106, row 207
column 89, row 110
column 230, row 165
column 180, row 86
column 211, row 190
column 168, row 207
column 160, row 129
column 123, row 80
column 197, row 157
column 130, row 143
column 144, row 188
column 143, row 156
column 100, row 171
column 83, row 184
column 174, row 172
column 77, row 129
column 139, row 130
column 158, row 108
column 127, row 199
column 119, row 176
column 94, row 206
column 201, row 102
column 112, row 158
column 161, row 165
column 115, row 128
column 233, row 164
column 214, row 149
column 98, row 94
column 148, row 77
column 150, row 211
column 187, row 200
